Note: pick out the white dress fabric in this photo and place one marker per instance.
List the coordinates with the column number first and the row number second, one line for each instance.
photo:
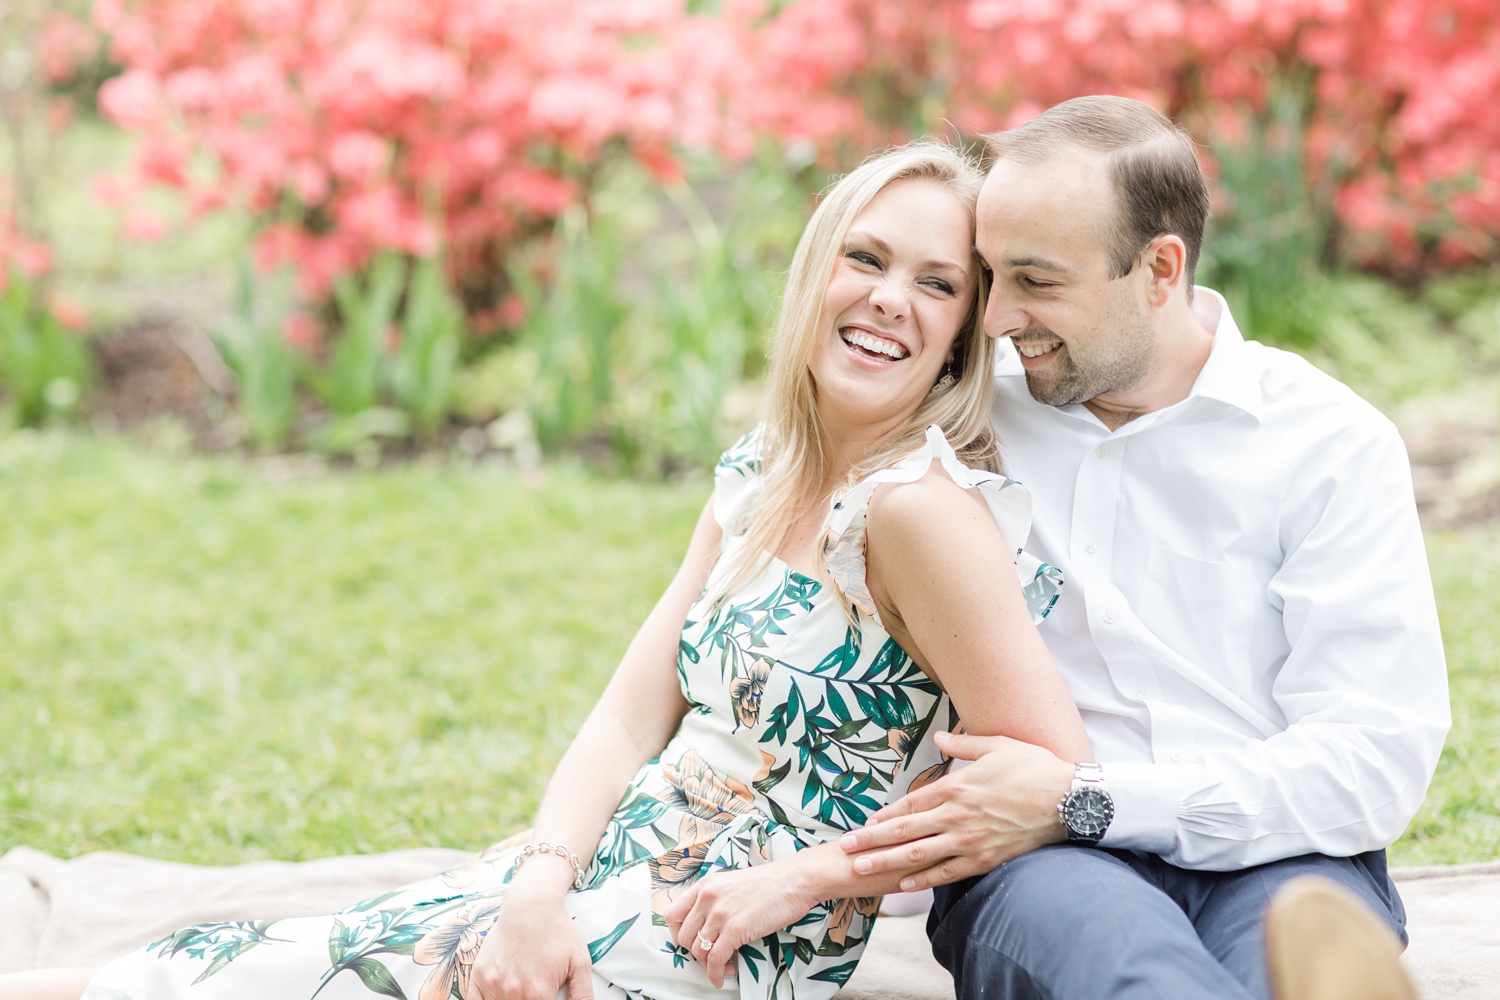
column 801, row 726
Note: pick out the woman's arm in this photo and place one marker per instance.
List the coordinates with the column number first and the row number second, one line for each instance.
column 534, row 948
column 941, row 574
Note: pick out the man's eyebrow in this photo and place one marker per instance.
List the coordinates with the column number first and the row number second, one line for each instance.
column 1043, row 263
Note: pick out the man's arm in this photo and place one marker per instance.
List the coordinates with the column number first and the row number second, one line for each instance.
column 1363, row 692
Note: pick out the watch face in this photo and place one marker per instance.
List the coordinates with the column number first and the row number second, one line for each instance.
column 1088, row 812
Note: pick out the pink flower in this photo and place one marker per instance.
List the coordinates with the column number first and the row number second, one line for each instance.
column 144, row 226
column 132, row 99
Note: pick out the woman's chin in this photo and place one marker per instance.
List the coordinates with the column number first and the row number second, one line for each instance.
column 859, row 403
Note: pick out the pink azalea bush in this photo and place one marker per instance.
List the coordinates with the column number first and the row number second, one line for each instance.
column 395, row 124
column 1402, row 116
column 391, row 124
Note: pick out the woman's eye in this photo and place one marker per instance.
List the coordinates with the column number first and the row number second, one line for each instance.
column 938, row 284
column 861, row 257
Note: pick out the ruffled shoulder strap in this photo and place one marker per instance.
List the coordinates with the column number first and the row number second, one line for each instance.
column 737, row 481
column 1009, row 503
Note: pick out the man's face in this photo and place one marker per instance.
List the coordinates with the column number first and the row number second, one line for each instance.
column 1044, row 230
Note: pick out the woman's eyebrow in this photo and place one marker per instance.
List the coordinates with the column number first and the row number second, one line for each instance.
column 866, row 238
column 881, row 246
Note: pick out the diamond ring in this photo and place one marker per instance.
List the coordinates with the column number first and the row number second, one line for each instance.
column 705, row 943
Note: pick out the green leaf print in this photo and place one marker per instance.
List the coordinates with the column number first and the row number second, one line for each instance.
column 221, row 943
column 384, row 932
column 838, row 974
column 842, row 659
column 751, row 957
column 377, row 978
column 598, row 949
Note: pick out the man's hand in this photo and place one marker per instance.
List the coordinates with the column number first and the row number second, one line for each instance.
column 971, row 821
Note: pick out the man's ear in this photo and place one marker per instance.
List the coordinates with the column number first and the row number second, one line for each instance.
column 1165, row 260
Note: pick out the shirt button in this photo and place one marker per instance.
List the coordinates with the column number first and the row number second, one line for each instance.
column 1109, row 617
column 1176, row 757
column 1091, row 547
column 1103, row 450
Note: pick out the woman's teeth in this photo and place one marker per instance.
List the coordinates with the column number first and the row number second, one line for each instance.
column 1037, row 350
column 875, row 345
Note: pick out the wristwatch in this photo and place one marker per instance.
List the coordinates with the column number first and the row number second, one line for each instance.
column 1087, row 808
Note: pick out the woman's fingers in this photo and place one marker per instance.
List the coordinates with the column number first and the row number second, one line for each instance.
column 720, row 960
column 581, row 978
column 678, row 913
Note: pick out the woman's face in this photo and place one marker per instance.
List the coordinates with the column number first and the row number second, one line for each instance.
column 899, row 292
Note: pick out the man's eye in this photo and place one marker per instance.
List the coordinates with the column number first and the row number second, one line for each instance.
column 1030, row 282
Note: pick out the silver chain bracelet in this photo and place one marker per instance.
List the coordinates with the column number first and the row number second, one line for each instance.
column 560, row 850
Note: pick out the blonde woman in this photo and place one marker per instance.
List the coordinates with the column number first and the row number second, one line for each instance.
column 838, row 610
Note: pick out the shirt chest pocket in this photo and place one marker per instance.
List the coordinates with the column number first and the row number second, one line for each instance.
column 1202, row 609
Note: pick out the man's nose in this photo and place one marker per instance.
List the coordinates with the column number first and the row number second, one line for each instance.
column 1001, row 318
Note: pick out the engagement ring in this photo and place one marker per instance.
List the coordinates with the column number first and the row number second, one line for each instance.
column 705, row 943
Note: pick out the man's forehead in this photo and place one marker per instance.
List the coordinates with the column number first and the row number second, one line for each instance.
column 1064, row 197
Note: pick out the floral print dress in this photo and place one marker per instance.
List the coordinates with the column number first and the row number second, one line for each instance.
column 801, row 726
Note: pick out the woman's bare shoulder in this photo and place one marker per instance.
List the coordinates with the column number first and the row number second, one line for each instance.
column 924, row 503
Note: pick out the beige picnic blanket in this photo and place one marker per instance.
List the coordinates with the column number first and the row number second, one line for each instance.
column 94, row 908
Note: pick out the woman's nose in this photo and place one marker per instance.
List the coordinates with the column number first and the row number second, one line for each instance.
column 889, row 301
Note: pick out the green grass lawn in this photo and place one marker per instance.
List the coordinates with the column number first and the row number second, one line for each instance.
column 199, row 662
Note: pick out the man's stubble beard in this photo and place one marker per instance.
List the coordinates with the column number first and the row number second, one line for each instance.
column 1120, row 360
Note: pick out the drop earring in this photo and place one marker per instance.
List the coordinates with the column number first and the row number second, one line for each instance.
column 944, row 382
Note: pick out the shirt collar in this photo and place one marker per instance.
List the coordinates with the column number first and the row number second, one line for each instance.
column 1227, row 375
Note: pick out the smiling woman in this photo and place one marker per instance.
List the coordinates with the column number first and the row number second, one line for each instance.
column 882, row 314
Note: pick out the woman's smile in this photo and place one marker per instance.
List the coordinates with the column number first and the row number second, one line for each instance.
column 873, row 346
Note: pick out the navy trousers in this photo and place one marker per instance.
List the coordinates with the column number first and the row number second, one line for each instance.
column 1080, row 923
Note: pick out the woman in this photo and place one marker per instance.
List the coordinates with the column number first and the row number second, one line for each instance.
column 841, row 603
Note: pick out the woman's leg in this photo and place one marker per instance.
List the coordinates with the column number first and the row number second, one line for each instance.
column 45, row 984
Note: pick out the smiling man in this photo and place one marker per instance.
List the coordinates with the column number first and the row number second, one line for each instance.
column 1248, row 625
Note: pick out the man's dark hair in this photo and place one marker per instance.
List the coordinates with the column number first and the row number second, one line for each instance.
column 1151, row 162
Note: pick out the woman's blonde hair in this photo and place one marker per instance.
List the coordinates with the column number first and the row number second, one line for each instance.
column 793, row 463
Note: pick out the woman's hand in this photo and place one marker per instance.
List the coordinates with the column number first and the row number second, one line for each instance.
column 733, row 908
column 531, row 951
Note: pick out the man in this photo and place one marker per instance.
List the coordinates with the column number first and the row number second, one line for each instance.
column 1248, row 624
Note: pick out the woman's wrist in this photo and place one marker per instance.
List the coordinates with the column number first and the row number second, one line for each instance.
column 818, row 874
column 542, row 874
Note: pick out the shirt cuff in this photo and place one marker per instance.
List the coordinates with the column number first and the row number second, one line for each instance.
column 1145, row 797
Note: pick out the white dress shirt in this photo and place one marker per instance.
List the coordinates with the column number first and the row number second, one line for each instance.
column 1247, row 623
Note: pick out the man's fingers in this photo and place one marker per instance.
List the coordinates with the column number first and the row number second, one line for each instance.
column 952, row 869
column 921, row 853
column 965, row 747
column 899, row 828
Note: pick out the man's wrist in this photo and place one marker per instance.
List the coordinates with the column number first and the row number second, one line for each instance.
column 1087, row 809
